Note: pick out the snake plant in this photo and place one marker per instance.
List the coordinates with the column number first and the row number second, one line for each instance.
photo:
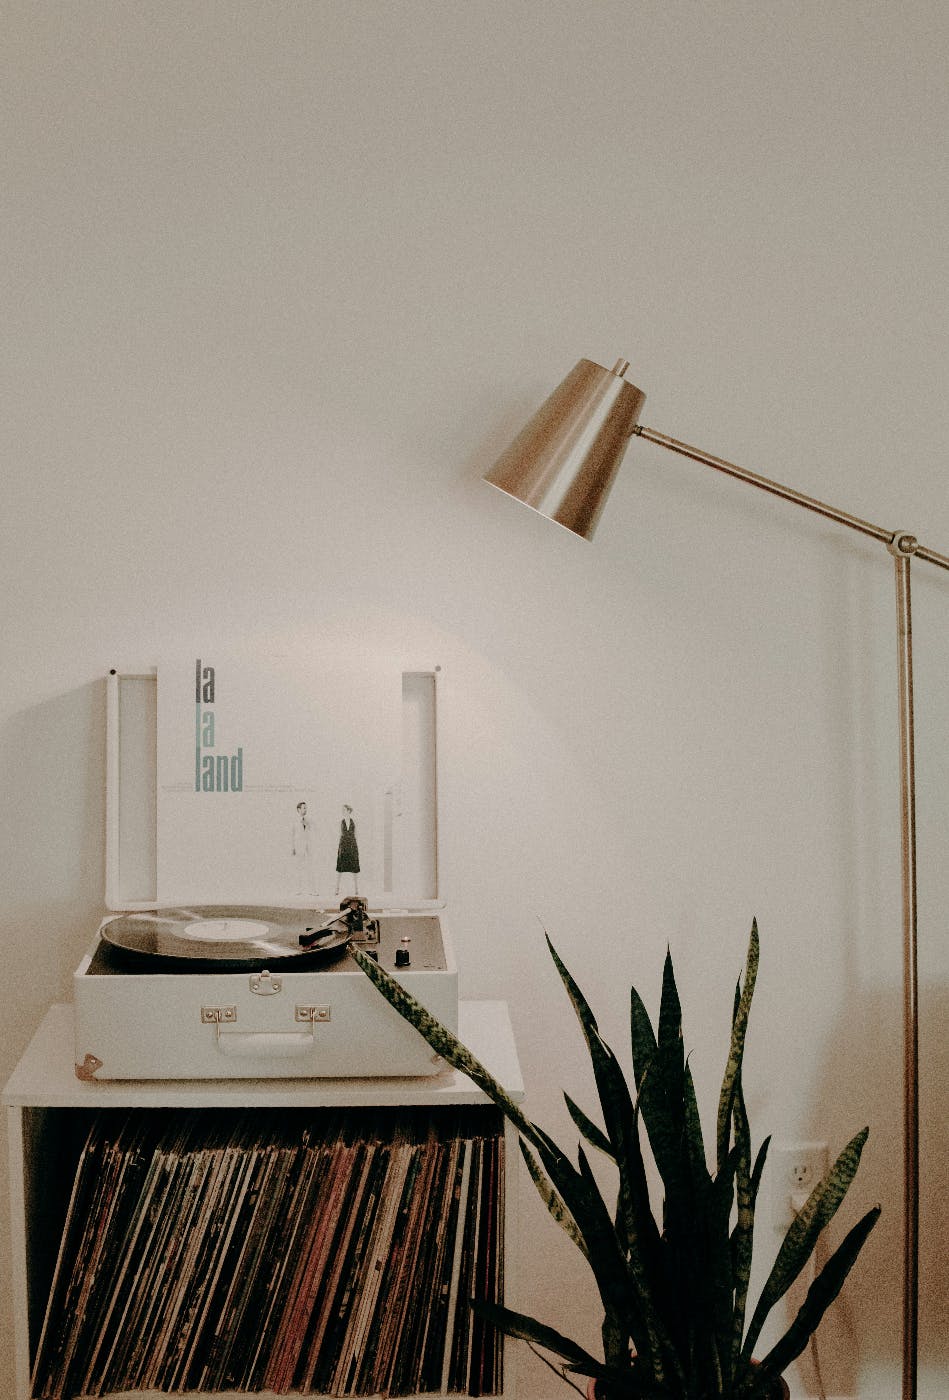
column 673, row 1290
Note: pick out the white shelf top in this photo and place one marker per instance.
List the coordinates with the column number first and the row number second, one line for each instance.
column 45, row 1076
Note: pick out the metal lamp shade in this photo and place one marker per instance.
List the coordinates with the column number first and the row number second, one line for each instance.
column 564, row 461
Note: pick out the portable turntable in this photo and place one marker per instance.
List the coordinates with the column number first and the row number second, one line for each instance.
column 206, row 989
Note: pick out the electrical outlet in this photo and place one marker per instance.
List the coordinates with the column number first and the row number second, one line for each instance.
column 795, row 1168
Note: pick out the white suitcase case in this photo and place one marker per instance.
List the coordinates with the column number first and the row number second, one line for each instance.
column 149, row 1017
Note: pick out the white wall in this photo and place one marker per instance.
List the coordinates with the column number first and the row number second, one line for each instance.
column 280, row 281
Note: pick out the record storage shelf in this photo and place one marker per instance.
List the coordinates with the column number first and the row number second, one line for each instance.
column 44, row 1099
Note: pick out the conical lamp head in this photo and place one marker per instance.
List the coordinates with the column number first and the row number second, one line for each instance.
column 564, row 461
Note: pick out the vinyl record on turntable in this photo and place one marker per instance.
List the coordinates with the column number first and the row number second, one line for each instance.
column 224, row 938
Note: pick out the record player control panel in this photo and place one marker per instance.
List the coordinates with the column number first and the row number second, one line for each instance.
column 405, row 941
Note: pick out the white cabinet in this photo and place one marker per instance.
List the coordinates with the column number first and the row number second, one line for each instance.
column 50, row 1110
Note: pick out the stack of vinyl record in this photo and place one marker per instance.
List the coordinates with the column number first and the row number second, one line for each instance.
column 329, row 1252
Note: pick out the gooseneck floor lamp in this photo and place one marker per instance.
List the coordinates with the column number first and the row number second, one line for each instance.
column 563, row 464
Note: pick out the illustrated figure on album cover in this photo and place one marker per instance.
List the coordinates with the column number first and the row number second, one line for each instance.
column 304, row 881
column 347, row 855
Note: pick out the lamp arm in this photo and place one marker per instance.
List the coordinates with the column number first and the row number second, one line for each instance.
column 897, row 541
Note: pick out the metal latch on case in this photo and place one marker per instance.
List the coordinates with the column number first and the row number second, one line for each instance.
column 311, row 1013
column 218, row 1015
column 263, row 985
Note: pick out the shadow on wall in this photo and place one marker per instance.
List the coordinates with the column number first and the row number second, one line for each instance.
column 862, row 1082
column 52, row 876
column 52, row 833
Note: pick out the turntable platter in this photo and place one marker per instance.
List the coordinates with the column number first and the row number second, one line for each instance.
column 225, row 937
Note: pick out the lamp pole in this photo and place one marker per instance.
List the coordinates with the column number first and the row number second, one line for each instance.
column 903, row 547
column 904, row 628
column 563, row 464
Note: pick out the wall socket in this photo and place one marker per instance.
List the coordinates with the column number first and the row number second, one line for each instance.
column 795, row 1168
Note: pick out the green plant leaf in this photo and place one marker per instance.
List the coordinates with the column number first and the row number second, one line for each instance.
column 551, row 1198
column 443, row 1041
column 742, row 1249
column 615, row 1101
column 759, row 1168
column 642, row 1037
column 679, row 1299
column 624, row 1289
column 561, row 1171
column 801, row 1238
column 743, row 1237
column 602, row 1246
column 670, row 1115
column 820, row 1295
column 694, row 1141
column 515, row 1324
column 586, row 1207
column 662, row 1121
column 634, row 1217
column 669, row 1027
column 710, row 1256
column 595, row 1136
column 519, row 1325
column 737, row 1046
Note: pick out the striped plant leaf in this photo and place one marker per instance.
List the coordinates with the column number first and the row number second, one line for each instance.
column 615, row 1101
column 705, row 1240
column 681, row 1108
column 671, row 1118
column 737, row 1046
column 515, row 1324
column 584, row 1204
column 551, row 1197
column 442, row 1041
column 694, row 1142
column 714, row 1208
column 760, row 1160
column 633, row 1305
column 642, row 1037
column 595, row 1136
column 584, row 1210
column 820, row 1295
column 742, row 1247
column 603, row 1248
column 663, row 1125
column 669, row 1025
column 742, row 1240
column 634, row 1214
column 602, row 1245
column 578, row 1361
column 798, row 1245
column 678, row 1300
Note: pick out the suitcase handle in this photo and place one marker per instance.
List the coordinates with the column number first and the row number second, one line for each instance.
column 276, row 1044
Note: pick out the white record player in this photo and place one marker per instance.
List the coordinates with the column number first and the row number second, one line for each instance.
column 204, row 988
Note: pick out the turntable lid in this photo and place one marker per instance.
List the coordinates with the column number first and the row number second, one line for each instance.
column 396, row 829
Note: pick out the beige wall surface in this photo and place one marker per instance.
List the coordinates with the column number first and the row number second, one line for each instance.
column 281, row 279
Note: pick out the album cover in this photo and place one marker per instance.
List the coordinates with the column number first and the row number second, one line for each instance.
column 274, row 780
